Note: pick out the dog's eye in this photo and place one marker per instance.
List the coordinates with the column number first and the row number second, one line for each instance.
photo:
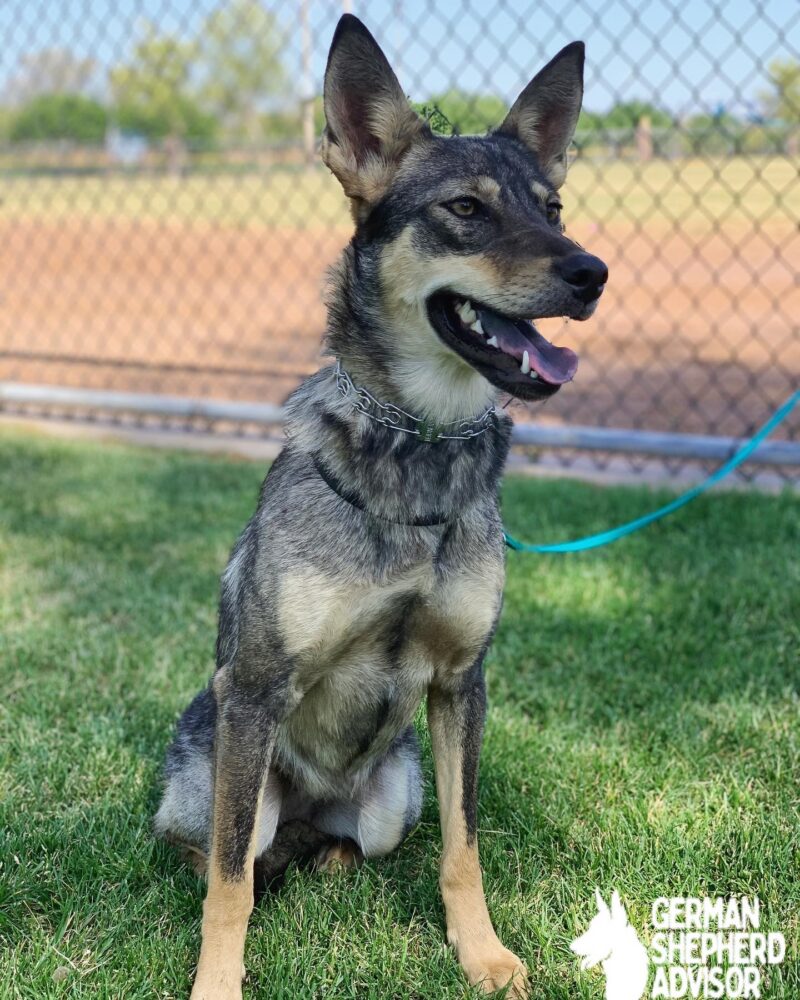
column 554, row 213
column 463, row 206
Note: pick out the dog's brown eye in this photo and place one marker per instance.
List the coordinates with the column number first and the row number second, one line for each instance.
column 463, row 207
column 554, row 214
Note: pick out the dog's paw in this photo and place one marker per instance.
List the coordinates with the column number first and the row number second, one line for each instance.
column 345, row 854
column 497, row 970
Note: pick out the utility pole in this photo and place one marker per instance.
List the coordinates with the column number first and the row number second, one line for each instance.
column 307, row 85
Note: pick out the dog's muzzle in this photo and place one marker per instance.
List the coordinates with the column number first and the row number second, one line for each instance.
column 585, row 274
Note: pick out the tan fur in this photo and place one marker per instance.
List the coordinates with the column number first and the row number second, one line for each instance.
column 317, row 612
column 451, row 627
column 228, row 903
column 366, row 179
column 339, row 856
column 446, row 632
column 226, row 912
column 554, row 167
column 451, row 389
column 541, row 192
column 469, row 927
column 487, row 189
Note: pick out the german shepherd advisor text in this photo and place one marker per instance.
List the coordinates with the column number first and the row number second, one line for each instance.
column 371, row 573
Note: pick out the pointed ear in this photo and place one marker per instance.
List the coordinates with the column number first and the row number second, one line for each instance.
column 617, row 909
column 370, row 125
column 601, row 903
column 545, row 114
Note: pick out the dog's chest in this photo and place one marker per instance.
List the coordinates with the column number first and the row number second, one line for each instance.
column 420, row 621
column 364, row 654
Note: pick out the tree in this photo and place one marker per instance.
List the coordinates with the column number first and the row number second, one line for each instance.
column 50, row 71
column 60, row 116
column 718, row 133
column 153, row 93
column 468, row 114
column 783, row 101
column 628, row 114
column 239, row 61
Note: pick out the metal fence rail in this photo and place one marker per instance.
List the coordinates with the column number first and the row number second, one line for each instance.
column 165, row 225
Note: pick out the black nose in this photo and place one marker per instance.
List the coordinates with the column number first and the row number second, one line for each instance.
column 587, row 274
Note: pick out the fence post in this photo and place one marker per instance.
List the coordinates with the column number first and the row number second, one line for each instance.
column 644, row 139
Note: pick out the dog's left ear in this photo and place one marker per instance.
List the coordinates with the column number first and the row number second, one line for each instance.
column 370, row 125
column 545, row 114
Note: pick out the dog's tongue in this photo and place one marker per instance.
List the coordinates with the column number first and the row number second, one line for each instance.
column 555, row 365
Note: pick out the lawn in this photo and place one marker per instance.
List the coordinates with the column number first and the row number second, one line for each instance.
column 700, row 195
column 642, row 735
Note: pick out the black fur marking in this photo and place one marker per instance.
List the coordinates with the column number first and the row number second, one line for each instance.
column 351, row 497
column 243, row 750
column 473, row 714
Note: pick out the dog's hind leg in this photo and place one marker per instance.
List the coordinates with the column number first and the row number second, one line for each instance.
column 455, row 718
column 378, row 818
column 184, row 814
column 244, row 739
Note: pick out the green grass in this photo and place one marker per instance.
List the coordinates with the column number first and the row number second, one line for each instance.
column 643, row 734
column 699, row 194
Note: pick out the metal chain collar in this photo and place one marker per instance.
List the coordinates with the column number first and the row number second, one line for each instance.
column 392, row 416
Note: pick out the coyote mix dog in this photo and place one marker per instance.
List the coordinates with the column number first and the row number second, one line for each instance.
column 371, row 574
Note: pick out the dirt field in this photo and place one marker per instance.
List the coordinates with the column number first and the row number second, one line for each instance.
column 697, row 331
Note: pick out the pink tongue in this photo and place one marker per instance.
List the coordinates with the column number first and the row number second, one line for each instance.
column 555, row 365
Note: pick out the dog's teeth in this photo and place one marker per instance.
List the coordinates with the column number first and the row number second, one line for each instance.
column 476, row 326
column 492, row 341
column 466, row 312
column 525, row 367
column 534, row 375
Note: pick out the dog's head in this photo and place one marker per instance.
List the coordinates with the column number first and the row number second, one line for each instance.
column 466, row 230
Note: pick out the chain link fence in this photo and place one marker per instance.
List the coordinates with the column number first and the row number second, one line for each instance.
column 165, row 224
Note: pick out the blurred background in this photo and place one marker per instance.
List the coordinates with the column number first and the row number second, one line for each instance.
column 165, row 222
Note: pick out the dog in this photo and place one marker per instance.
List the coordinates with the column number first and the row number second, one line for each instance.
column 612, row 941
column 371, row 574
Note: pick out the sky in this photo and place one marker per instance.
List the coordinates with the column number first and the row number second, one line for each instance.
column 685, row 56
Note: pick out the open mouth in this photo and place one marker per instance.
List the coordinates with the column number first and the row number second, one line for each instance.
column 508, row 351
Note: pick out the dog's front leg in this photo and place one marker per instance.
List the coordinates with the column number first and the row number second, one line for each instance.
column 455, row 719
column 243, row 742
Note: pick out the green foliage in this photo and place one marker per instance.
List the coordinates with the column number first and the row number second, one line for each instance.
column 153, row 94
column 783, row 101
column 463, row 113
column 59, row 116
column 628, row 114
column 718, row 134
column 280, row 126
column 239, row 61
column 6, row 122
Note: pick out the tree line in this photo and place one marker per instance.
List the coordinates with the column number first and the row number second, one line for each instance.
column 229, row 84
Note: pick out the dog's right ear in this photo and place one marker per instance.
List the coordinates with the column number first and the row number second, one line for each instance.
column 370, row 125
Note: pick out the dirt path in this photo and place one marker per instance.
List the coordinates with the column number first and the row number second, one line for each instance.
column 696, row 333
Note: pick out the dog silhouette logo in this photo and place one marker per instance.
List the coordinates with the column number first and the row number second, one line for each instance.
column 612, row 941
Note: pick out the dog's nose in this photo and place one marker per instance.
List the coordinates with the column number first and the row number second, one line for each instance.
column 586, row 274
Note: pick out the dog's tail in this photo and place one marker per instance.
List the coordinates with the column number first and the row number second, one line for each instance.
column 296, row 840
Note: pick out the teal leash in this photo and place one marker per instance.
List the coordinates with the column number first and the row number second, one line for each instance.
column 605, row 537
